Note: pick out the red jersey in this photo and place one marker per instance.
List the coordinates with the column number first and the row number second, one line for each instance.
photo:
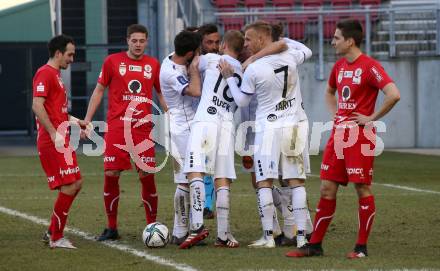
column 129, row 80
column 47, row 83
column 358, row 85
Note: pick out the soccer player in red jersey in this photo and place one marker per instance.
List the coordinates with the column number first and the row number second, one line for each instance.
column 349, row 153
column 57, row 157
column 129, row 77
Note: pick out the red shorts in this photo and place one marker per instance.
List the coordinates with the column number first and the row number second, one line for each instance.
column 61, row 169
column 117, row 151
column 350, row 164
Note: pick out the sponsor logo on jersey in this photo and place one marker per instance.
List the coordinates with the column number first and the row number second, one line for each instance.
column 272, row 117
column 340, row 75
column 135, row 98
column 40, row 87
column 212, row 110
column 346, row 93
column 147, row 71
column 50, row 179
column 135, row 68
column 355, row 171
column 348, row 74
column 145, row 159
column 283, row 105
column 109, row 158
column 182, row 80
column 377, row 74
column 220, row 103
column 68, row 171
column 134, row 86
column 122, row 69
column 324, row 167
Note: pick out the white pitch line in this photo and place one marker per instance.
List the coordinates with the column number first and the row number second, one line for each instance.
column 90, row 237
column 408, row 188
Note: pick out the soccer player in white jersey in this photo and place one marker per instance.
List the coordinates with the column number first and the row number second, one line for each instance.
column 281, row 125
column 178, row 91
column 211, row 144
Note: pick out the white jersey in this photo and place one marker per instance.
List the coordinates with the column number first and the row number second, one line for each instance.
column 216, row 101
column 173, row 80
column 274, row 80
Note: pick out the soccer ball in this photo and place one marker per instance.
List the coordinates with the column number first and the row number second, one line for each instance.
column 155, row 235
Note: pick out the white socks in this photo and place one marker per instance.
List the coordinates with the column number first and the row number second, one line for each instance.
column 197, row 201
column 266, row 208
column 300, row 210
column 181, row 211
column 277, row 202
column 222, row 208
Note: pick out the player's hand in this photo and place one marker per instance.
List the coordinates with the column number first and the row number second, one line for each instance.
column 248, row 61
column 361, row 119
column 86, row 128
column 194, row 66
column 225, row 69
column 58, row 140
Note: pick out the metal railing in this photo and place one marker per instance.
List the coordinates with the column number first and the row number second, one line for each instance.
column 389, row 31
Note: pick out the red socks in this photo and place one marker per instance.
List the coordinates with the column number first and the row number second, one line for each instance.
column 59, row 215
column 367, row 210
column 324, row 214
column 149, row 197
column 111, row 200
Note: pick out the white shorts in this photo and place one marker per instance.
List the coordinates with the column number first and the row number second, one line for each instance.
column 211, row 149
column 179, row 142
column 282, row 152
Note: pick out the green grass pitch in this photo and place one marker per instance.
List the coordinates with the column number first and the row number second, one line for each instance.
column 406, row 232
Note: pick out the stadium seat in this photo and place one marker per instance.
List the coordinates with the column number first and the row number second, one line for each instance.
column 373, row 4
column 341, row 4
column 222, row 4
column 296, row 28
column 330, row 22
column 369, row 2
column 254, row 3
column 230, row 23
column 283, row 3
column 312, row 3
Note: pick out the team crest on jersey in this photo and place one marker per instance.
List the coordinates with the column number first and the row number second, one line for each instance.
column 122, row 69
column 134, row 86
column 182, row 80
column 357, row 76
column 340, row 75
column 147, row 71
column 346, row 93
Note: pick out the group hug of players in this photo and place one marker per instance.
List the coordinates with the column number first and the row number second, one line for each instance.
column 200, row 86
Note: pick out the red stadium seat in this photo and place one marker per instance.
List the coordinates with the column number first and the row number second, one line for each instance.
column 369, row 2
column 230, row 23
column 221, row 4
column 341, row 4
column 296, row 27
column 254, row 3
column 283, row 3
column 372, row 4
column 330, row 22
column 312, row 3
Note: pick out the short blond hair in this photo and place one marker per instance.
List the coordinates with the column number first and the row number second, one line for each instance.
column 235, row 40
column 262, row 27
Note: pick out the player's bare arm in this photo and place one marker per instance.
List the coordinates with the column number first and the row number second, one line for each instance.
column 330, row 100
column 392, row 96
column 94, row 102
column 43, row 117
column 162, row 102
column 273, row 48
